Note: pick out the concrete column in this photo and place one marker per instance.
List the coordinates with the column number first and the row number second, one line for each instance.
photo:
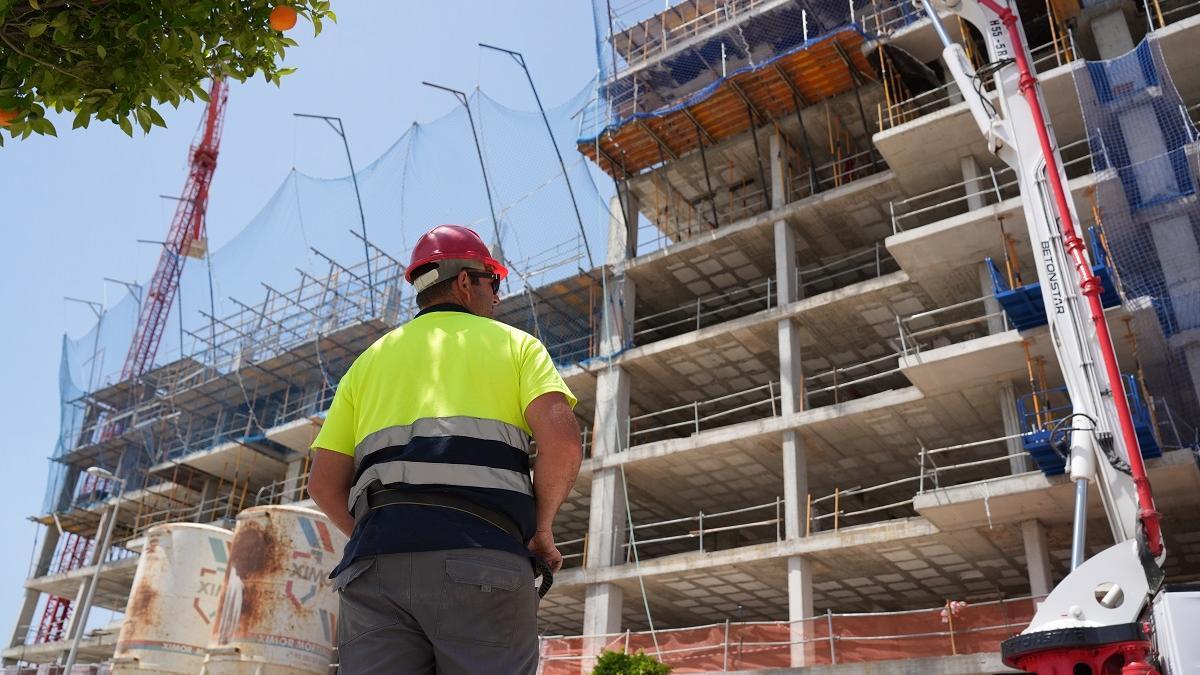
column 1018, row 459
column 791, row 391
column 41, row 567
column 974, row 188
column 622, row 227
column 1111, row 32
column 1037, row 557
column 991, row 306
column 787, row 284
column 208, row 492
column 800, row 606
column 607, row 516
column 291, row 481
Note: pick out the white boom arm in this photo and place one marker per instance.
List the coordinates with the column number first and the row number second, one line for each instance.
column 1012, row 137
column 1018, row 136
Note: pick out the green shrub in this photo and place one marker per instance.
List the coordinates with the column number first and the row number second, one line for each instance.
column 620, row 663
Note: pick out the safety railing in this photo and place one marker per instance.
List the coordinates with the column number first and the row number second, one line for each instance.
column 704, row 311
column 222, row 508
column 893, row 114
column 970, row 462
column 647, row 40
column 831, row 512
column 839, row 171
column 866, row 263
column 951, row 324
column 833, row 638
column 843, row 383
column 285, row 491
column 830, row 387
column 987, row 189
column 697, row 416
column 760, row 522
column 672, row 219
column 1165, row 12
column 884, row 19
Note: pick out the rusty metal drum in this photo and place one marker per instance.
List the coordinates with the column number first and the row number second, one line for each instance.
column 173, row 604
column 278, row 611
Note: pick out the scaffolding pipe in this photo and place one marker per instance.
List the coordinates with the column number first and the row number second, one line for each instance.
column 712, row 197
column 520, row 59
column 340, row 130
column 487, row 186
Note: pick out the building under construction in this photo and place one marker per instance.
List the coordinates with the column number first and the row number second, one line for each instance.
column 795, row 295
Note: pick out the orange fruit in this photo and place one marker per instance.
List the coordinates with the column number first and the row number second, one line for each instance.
column 283, row 18
column 7, row 116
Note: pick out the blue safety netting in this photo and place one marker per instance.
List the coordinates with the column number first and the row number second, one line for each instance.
column 1144, row 147
column 656, row 57
column 302, row 240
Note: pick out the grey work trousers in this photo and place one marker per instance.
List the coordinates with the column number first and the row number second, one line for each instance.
column 446, row 612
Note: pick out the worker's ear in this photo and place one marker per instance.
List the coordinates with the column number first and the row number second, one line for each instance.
column 462, row 282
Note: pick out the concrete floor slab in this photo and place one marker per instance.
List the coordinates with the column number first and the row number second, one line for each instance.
column 116, row 580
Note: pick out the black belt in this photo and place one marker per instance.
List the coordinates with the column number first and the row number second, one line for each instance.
column 377, row 497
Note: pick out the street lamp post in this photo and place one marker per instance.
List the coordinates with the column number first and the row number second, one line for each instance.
column 340, row 130
column 79, row 624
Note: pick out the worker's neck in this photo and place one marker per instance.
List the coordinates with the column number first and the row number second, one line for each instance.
column 447, row 306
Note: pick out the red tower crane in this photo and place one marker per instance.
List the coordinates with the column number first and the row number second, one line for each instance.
column 187, row 237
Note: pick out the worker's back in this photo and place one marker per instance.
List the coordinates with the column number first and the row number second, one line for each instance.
column 442, row 364
column 437, row 406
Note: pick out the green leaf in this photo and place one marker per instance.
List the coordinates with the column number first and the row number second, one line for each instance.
column 126, row 126
column 34, row 4
column 35, row 30
column 82, row 119
column 101, row 51
column 155, row 118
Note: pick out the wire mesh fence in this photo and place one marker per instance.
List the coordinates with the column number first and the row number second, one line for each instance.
column 1145, row 143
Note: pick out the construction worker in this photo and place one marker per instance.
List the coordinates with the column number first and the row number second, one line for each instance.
column 423, row 461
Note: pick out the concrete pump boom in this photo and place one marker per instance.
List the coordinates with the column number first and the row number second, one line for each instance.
column 1102, row 440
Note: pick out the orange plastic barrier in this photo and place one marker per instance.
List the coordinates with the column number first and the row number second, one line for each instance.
column 856, row 638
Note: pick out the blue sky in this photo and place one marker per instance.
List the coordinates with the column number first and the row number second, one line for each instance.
column 72, row 208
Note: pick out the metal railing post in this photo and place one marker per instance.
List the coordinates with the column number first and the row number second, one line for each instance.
column 771, row 395
column 778, row 521
column 697, row 313
column 892, row 211
column 725, row 657
column 829, row 624
column 921, row 480
column 696, row 414
column 701, row 531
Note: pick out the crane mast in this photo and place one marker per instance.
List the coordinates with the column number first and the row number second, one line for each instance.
column 186, row 237
column 187, row 231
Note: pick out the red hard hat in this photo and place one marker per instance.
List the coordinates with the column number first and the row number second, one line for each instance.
column 452, row 242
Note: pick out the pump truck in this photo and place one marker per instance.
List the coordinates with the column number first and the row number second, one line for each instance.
column 1109, row 614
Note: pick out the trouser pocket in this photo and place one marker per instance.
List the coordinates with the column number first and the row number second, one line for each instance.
column 361, row 607
column 483, row 600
